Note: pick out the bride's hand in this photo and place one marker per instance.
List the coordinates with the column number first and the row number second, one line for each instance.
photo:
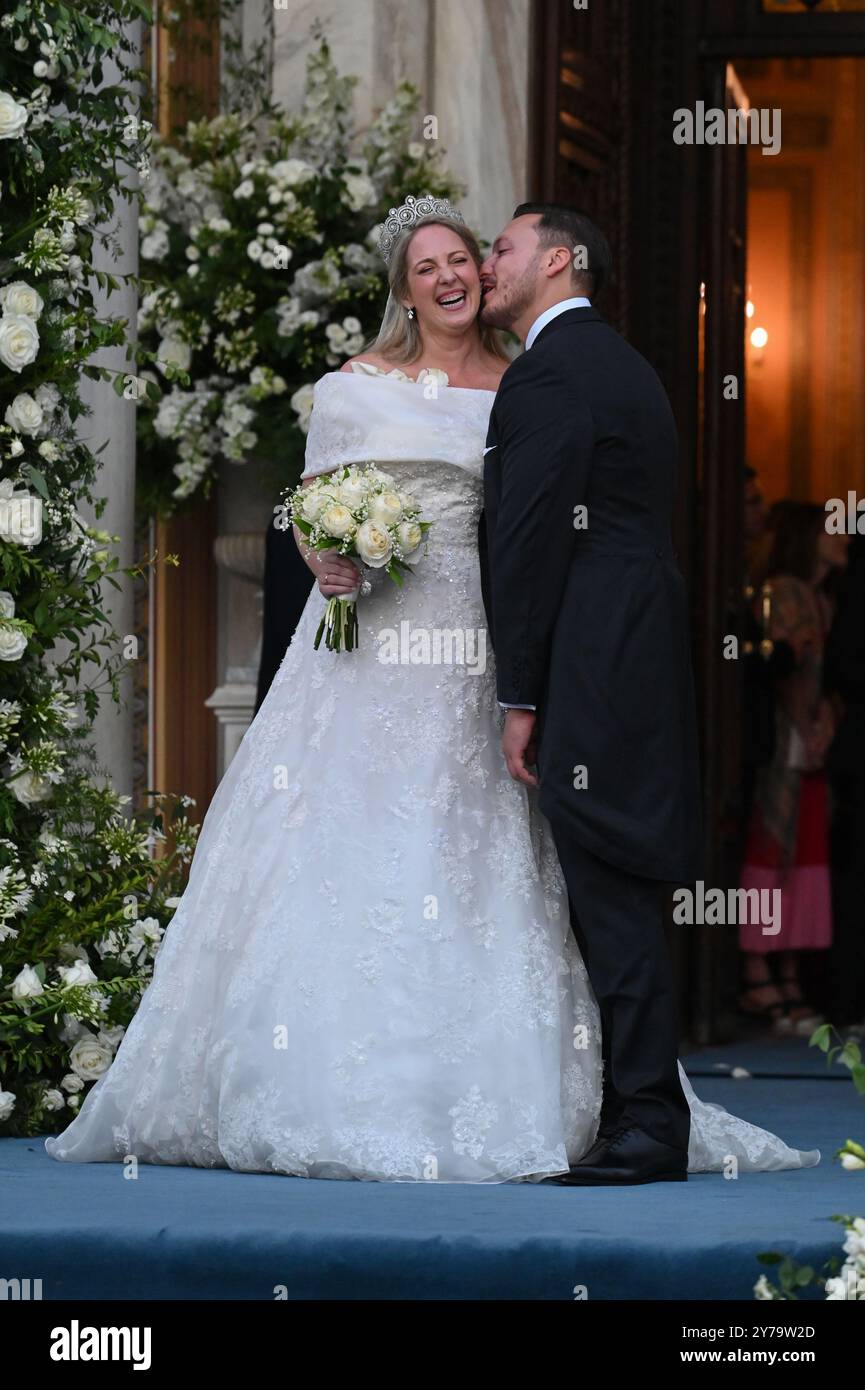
column 337, row 574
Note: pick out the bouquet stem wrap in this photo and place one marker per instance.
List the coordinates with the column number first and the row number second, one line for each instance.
column 338, row 627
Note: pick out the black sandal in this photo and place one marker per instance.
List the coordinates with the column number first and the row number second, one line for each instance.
column 771, row 1012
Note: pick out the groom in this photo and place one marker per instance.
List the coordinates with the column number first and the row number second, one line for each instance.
column 588, row 618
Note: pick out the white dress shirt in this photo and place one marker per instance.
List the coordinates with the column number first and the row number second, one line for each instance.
column 576, row 302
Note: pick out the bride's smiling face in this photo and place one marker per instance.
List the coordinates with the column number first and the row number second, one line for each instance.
column 444, row 287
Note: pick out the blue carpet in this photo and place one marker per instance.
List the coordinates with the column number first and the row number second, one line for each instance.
column 766, row 1057
column 184, row 1233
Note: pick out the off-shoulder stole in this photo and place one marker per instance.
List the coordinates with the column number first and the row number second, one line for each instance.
column 371, row 416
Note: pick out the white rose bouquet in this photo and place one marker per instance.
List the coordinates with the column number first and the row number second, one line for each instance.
column 359, row 512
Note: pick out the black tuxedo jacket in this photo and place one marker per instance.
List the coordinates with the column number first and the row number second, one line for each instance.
column 587, row 609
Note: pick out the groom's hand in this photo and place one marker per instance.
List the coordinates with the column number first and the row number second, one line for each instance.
column 518, row 745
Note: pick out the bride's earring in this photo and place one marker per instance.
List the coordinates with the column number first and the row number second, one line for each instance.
column 411, row 313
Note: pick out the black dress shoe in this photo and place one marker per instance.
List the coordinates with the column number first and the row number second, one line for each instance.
column 626, row 1155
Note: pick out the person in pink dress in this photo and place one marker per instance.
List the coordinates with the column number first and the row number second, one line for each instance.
column 788, row 835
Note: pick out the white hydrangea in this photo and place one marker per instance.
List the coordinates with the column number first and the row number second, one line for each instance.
column 360, row 192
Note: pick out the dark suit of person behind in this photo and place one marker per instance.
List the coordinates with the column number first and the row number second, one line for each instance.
column 590, row 625
column 287, row 585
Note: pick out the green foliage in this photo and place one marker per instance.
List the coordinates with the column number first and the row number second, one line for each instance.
column 73, row 868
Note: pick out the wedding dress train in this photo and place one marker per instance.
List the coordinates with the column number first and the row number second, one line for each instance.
column 371, row 973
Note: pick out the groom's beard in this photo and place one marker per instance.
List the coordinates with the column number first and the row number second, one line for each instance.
column 512, row 301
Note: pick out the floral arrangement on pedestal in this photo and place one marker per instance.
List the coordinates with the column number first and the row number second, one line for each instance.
column 81, row 902
column 258, row 233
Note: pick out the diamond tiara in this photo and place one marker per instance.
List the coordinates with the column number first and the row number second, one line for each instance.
column 409, row 212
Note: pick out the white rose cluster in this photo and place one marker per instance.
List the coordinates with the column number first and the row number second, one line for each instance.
column 359, row 511
column 13, row 117
column 362, row 509
column 19, row 337
column 13, row 641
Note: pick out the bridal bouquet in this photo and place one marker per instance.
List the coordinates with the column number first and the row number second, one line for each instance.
column 361, row 513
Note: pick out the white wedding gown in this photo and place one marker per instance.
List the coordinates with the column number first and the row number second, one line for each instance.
column 371, row 973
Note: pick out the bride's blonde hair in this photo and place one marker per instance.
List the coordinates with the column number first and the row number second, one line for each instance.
column 398, row 337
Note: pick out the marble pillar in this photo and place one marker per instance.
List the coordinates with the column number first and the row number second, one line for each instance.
column 113, row 419
column 470, row 62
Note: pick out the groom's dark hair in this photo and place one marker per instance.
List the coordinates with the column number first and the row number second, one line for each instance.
column 563, row 225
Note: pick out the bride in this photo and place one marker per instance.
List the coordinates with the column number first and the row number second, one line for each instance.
column 371, row 973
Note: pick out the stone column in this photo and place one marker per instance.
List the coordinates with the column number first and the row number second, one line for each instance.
column 471, row 63
column 113, row 419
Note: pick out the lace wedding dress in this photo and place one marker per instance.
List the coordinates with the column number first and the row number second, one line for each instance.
column 371, row 973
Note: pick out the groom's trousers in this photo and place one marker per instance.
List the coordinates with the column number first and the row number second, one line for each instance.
column 618, row 921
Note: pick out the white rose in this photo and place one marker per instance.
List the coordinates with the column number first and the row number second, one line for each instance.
column 27, row 984
column 386, row 508
column 851, row 1162
column 13, row 117
column 13, row 643
column 173, row 350
column 312, row 505
column 78, row 974
column 415, row 150
column 7, row 1104
column 29, row 787
column 410, row 537
column 337, row 520
column 20, row 515
column 53, row 1100
column 20, row 298
column 72, row 1083
column 254, row 250
column 7, row 604
column 373, row 544
column 351, row 325
column 352, row 490
column 24, row 414
column 19, row 341
column 89, row 1058
column 245, row 189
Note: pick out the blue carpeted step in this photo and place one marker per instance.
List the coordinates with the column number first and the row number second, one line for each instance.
column 789, row 1057
column 184, row 1233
